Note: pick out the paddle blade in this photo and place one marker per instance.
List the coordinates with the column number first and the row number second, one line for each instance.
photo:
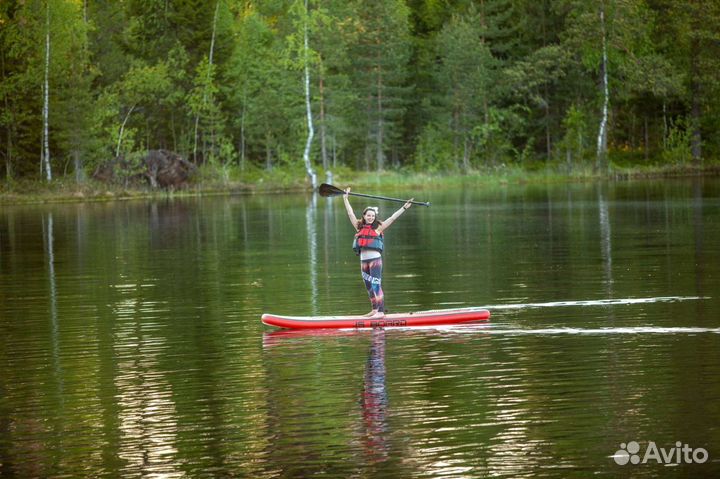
column 330, row 190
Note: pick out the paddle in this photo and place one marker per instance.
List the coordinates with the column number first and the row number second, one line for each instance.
column 330, row 190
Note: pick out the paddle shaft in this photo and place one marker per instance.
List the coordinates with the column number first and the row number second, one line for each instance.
column 330, row 190
column 389, row 199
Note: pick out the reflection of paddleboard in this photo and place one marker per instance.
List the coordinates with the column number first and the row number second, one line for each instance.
column 394, row 320
column 292, row 336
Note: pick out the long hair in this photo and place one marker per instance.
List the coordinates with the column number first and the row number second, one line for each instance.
column 361, row 221
column 375, row 224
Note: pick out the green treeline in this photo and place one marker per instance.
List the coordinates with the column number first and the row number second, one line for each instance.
column 433, row 85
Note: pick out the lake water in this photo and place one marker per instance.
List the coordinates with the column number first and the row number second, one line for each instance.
column 131, row 342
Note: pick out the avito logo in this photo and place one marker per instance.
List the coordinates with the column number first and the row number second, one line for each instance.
column 680, row 454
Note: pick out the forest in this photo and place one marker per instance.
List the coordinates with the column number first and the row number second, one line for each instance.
column 240, row 87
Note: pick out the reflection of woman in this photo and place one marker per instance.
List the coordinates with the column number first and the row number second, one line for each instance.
column 374, row 399
column 368, row 245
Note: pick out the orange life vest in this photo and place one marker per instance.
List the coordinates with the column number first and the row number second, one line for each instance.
column 367, row 238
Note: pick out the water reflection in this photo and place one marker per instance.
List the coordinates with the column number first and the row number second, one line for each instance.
column 605, row 242
column 311, row 223
column 146, row 412
column 131, row 345
column 699, row 235
column 374, row 400
column 49, row 240
column 370, row 431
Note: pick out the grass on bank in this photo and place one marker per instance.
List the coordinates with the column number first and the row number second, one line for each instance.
column 212, row 181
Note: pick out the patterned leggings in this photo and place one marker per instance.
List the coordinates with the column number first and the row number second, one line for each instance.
column 372, row 276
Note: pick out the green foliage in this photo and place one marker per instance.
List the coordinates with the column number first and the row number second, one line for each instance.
column 103, row 129
column 677, row 149
column 492, row 138
column 468, row 75
column 380, row 78
column 435, row 151
column 574, row 148
column 131, row 169
column 145, row 84
column 433, row 85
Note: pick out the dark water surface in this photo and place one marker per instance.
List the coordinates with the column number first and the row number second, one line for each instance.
column 131, row 342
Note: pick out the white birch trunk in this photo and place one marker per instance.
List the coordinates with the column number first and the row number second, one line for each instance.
column 379, row 157
column 212, row 39
column 242, row 130
column 311, row 132
column 122, row 130
column 323, row 128
column 45, row 155
column 210, row 63
column 601, row 162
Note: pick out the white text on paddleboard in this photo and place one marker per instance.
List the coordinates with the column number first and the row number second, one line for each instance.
column 382, row 323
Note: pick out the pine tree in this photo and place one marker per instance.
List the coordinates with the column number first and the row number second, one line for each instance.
column 335, row 30
column 467, row 74
column 380, row 76
column 694, row 50
column 75, row 105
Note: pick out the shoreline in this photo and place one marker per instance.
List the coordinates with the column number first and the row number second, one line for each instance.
column 67, row 190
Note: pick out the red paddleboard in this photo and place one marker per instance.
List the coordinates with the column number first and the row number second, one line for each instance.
column 394, row 320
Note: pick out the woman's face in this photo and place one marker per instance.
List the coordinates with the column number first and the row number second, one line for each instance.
column 369, row 216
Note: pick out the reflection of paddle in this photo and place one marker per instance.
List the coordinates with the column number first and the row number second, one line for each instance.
column 330, row 190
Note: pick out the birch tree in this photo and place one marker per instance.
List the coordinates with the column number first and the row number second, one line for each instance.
column 301, row 57
column 601, row 163
column 37, row 54
column 45, row 148
column 208, row 79
column 142, row 86
column 610, row 39
column 453, row 85
column 308, row 109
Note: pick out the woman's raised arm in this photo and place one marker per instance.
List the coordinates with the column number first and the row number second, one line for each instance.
column 348, row 208
column 386, row 224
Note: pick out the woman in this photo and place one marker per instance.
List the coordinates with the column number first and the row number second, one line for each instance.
column 368, row 244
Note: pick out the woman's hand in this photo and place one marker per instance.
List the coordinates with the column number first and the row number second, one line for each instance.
column 408, row 204
column 348, row 208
